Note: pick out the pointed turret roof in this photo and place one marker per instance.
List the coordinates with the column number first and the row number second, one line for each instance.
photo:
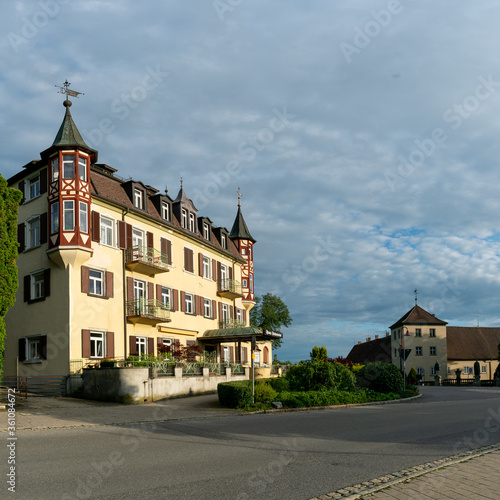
column 418, row 316
column 68, row 134
column 240, row 230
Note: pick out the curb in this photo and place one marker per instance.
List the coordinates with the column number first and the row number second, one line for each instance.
column 368, row 488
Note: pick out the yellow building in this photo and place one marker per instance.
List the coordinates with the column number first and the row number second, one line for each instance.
column 112, row 268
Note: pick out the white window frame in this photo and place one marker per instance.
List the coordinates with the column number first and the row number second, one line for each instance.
column 82, row 168
column 421, row 372
column 33, row 232
column 32, row 188
column 54, row 165
column 107, row 230
column 432, row 351
column 168, row 342
column 245, row 283
column 207, row 308
column 137, row 237
column 54, row 217
column 433, row 371
column 166, row 295
column 225, row 314
column 184, row 218
column 223, row 241
column 141, row 344
column 68, row 163
column 68, row 209
column 33, row 351
column 207, row 267
column 37, row 285
column 140, row 293
column 96, row 342
column 419, row 350
column 432, row 332
column 138, row 198
column 227, row 355
column 189, row 303
column 223, row 273
column 483, row 368
column 191, row 222
column 96, row 282
column 418, row 332
column 83, row 216
column 206, row 231
column 165, row 210
column 239, row 315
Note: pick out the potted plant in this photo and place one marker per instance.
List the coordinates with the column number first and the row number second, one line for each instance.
column 109, row 363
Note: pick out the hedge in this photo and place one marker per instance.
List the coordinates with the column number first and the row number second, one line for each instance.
column 235, row 394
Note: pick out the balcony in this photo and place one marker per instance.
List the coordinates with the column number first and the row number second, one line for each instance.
column 231, row 323
column 229, row 289
column 149, row 312
column 146, row 260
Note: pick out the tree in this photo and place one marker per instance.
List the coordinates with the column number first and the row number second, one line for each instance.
column 270, row 313
column 319, row 353
column 9, row 204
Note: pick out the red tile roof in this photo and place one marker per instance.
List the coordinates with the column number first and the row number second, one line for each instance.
column 471, row 343
column 417, row 316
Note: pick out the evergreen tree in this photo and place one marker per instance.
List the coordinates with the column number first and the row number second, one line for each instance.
column 9, row 203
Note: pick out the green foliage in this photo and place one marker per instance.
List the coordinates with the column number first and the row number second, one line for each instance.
column 279, row 384
column 412, row 376
column 320, row 398
column 319, row 353
column 320, row 375
column 271, row 313
column 381, row 377
column 264, row 393
column 235, row 394
column 9, row 203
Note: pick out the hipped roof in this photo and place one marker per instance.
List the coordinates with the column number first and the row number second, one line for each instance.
column 417, row 316
column 371, row 351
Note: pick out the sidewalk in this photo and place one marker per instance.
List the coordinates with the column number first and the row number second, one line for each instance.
column 39, row 412
column 472, row 475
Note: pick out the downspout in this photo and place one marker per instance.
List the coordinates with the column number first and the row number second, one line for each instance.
column 125, row 344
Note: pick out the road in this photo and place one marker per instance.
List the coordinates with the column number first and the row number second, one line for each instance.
column 271, row 456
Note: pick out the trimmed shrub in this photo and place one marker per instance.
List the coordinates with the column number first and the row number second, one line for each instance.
column 381, row 377
column 264, row 393
column 279, row 384
column 320, row 375
column 235, row 394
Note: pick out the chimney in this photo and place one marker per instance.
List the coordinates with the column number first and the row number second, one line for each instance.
column 368, row 339
column 359, row 342
column 376, row 337
column 387, row 334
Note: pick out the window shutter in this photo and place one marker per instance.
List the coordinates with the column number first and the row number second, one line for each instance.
column 121, row 235
column 183, row 301
column 175, row 300
column 200, row 264
column 20, row 236
column 245, row 316
column 214, row 309
column 46, row 279
column 151, row 291
column 231, row 354
column 150, row 239
column 110, row 344
column 231, row 312
column 133, row 345
column 85, row 343
column 96, row 226
column 214, row 270
column 202, row 306
column 130, row 288
column 128, row 237
column 220, row 311
column 191, row 260
column 169, row 252
column 219, row 265
column 109, row 285
column 163, row 247
column 43, row 181
column 158, row 293
column 85, row 280
column 230, row 273
column 27, row 288
column 159, row 341
column 22, row 349
column 43, row 228
column 21, row 188
column 43, row 346
column 196, row 305
column 151, row 345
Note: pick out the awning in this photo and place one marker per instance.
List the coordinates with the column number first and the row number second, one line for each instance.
column 243, row 334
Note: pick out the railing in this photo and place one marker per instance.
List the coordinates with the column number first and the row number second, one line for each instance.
column 147, row 255
column 192, row 369
column 149, row 308
column 229, row 285
column 231, row 323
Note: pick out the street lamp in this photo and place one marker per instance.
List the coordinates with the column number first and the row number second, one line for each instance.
column 407, row 334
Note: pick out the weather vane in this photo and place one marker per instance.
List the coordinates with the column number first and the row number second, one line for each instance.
column 239, row 197
column 416, row 296
column 66, row 90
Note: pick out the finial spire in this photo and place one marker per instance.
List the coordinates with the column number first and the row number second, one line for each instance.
column 66, row 90
column 416, row 296
column 181, row 182
column 239, row 197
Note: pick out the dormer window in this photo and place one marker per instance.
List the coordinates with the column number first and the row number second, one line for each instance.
column 206, row 231
column 138, row 198
column 223, row 241
column 165, row 211
column 191, row 222
column 82, row 168
column 68, row 168
column 184, row 218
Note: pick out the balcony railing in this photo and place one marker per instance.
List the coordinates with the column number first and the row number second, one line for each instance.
column 150, row 311
column 230, row 289
column 231, row 323
column 146, row 260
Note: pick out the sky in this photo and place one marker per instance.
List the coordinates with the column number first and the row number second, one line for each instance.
column 363, row 135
